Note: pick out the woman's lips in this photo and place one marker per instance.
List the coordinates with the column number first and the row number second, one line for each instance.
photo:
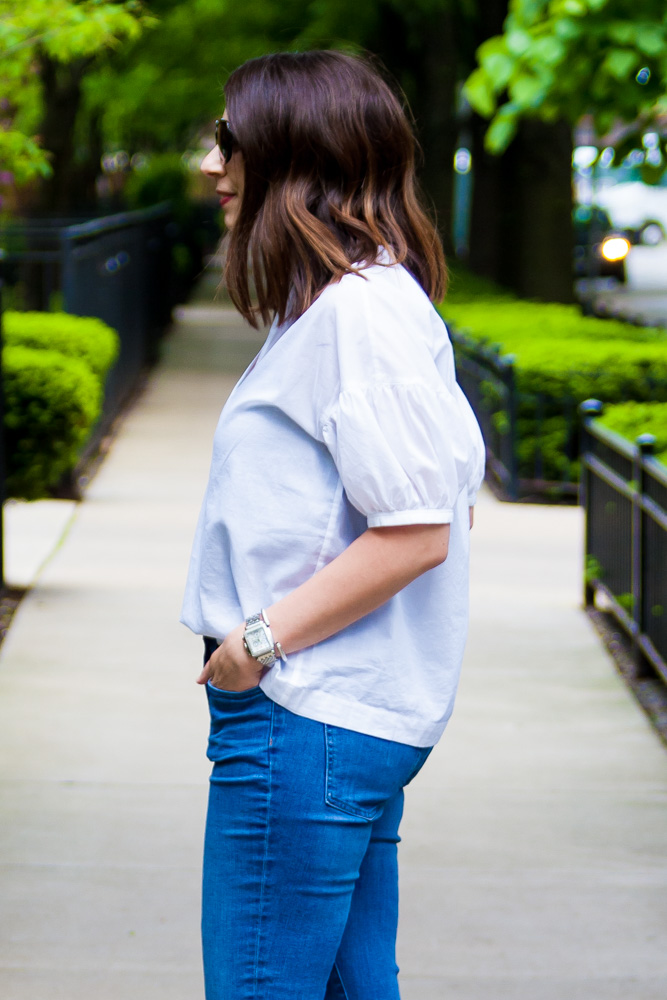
column 225, row 199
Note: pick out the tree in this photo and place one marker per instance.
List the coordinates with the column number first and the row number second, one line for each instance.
column 554, row 62
column 563, row 59
column 162, row 90
column 46, row 49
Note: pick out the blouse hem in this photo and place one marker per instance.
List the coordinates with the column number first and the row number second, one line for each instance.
column 359, row 718
column 425, row 515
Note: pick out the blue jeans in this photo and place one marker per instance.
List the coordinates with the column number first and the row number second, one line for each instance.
column 300, row 889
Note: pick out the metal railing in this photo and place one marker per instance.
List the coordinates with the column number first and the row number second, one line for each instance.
column 117, row 268
column 624, row 494
column 488, row 381
column 516, row 424
column 2, row 440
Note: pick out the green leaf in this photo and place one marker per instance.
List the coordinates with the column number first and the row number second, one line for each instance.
column 518, row 42
column 502, row 130
column 479, row 92
column 528, row 91
column 622, row 32
column 548, row 50
column 620, row 63
column 567, row 30
column 21, row 156
column 499, row 66
column 650, row 39
column 577, row 8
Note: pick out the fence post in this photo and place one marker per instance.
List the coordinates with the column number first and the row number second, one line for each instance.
column 512, row 412
column 588, row 410
column 68, row 275
column 2, row 441
column 645, row 445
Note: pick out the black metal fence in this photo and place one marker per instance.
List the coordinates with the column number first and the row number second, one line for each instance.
column 624, row 494
column 524, row 432
column 488, row 381
column 118, row 268
column 2, row 440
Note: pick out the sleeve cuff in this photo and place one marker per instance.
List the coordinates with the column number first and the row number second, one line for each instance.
column 472, row 499
column 425, row 515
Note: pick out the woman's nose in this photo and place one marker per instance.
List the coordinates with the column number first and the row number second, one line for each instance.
column 213, row 165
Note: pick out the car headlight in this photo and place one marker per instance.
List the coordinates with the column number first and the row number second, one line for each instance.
column 615, row 248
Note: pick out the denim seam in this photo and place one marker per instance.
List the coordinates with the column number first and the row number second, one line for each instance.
column 340, row 980
column 422, row 760
column 332, row 799
column 265, row 858
column 234, row 696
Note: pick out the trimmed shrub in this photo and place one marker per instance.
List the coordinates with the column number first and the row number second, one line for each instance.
column 52, row 402
column 83, row 337
column 516, row 322
column 464, row 286
column 561, row 358
column 632, row 419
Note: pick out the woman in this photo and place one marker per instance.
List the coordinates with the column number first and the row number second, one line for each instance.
column 329, row 568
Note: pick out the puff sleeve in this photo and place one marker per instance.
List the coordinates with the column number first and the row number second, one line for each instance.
column 476, row 477
column 404, row 450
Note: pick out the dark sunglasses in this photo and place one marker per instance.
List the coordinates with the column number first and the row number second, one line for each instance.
column 224, row 139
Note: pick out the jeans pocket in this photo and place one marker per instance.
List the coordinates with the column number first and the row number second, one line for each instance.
column 423, row 756
column 240, row 723
column 363, row 772
column 215, row 692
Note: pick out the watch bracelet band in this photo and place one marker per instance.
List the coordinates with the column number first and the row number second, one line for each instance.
column 266, row 659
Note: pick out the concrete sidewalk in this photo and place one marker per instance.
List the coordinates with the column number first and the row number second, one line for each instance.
column 534, row 856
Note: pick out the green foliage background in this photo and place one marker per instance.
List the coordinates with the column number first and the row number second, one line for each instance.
column 568, row 58
column 83, row 337
column 560, row 358
column 64, row 30
column 632, row 419
column 153, row 88
column 54, row 368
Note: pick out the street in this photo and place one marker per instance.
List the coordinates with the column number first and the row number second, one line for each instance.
column 644, row 296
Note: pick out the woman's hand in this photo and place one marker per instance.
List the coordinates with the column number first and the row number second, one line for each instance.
column 231, row 667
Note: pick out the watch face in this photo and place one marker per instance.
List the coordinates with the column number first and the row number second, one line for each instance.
column 257, row 641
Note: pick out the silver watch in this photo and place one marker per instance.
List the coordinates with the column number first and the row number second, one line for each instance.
column 258, row 640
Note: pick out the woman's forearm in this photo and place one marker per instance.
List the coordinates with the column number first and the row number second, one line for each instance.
column 366, row 574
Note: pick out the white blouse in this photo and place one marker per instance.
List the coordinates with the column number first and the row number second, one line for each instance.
column 348, row 418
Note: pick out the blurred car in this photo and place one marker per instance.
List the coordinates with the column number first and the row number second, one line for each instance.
column 600, row 249
column 640, row 209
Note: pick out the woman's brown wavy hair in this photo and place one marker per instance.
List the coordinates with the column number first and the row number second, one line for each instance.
column 329, row 160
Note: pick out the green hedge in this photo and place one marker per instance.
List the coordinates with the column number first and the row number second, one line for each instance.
column 52, row 403
column 464, row 286
column 516, row 323
column 564, row 357
column 81, row 337
column 632, row 419
column 55, row 366
column 163, row 178
column 166, row 178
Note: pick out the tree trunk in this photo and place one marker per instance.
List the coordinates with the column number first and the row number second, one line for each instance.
column 61, row 85
column 538, row 232
column 485, row 226
column 421, row 52
column 437, row 122
column 522, row 212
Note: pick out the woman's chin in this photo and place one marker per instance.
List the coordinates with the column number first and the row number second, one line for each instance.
column 230, row 217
